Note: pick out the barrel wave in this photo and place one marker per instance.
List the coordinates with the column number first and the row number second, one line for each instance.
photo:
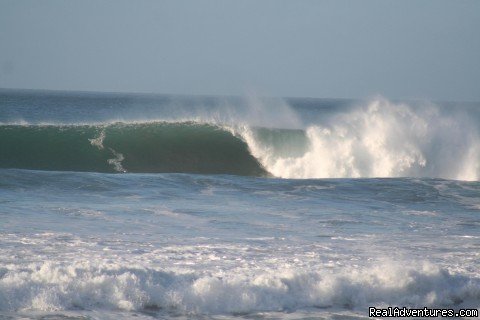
column 146, row 147
column 378, row 138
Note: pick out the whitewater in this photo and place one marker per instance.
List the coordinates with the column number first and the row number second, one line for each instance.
column 120, row 206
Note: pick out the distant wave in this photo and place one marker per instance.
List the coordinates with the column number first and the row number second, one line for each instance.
column 82, row 286
column 379, row 139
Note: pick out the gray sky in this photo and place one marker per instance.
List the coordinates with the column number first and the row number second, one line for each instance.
column 428, row 49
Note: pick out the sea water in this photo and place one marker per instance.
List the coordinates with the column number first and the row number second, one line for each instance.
column 119, row 206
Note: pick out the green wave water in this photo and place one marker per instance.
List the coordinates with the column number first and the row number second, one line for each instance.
column 145, row 148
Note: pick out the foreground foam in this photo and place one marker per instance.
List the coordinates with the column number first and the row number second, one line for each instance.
column 49, row 287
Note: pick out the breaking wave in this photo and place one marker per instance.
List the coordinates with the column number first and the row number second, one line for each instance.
column 81, row 286
column 379, row 139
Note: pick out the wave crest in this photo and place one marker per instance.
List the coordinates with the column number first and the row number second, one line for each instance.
column 379, row 139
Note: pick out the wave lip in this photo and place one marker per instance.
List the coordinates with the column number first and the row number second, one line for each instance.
column 51, row 287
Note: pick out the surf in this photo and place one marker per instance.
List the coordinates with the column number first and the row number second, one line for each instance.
column 381, row 139
column 372, row 139
column 57, row 287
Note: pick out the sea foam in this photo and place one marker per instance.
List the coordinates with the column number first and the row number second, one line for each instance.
column 53, row 286
column 380, row 139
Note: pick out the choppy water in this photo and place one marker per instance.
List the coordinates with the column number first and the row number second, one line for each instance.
column 120, row 206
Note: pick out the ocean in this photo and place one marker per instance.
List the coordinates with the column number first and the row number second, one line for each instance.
column 143, row 206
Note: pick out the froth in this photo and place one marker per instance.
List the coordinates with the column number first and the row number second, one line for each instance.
column 381, row 139
column 49, row 287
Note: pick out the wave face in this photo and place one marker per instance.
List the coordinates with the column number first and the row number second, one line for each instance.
column 146, row 147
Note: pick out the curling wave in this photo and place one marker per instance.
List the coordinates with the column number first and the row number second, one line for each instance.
column 379, row 139
column 145, row 147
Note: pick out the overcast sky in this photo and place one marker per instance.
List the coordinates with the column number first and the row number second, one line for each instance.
column 428, row 49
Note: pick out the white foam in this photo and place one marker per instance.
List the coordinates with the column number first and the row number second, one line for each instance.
column 98, row 141
column 118, row 157
column 116, row 161
column 50, row 286
column 381, row 139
